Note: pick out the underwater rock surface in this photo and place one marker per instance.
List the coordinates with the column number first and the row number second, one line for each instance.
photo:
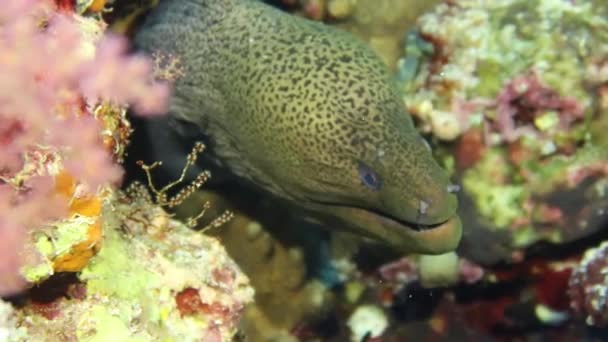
column 153, row 278
column 518, row 86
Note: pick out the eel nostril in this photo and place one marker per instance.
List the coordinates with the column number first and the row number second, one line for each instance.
column 423, row 207
column 453, row 188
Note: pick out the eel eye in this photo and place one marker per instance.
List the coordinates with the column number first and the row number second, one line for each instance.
column 369, row 177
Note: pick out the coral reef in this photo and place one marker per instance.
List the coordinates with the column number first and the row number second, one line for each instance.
column 518, row 90
column 154, row 278
column 588, row 286
column 284, row 296
column 60, row 127
column 81, row 260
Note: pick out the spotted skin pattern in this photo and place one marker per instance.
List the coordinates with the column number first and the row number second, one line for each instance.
column 298, row 108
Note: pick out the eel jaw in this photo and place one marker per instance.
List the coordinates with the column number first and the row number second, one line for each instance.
column 408, row 237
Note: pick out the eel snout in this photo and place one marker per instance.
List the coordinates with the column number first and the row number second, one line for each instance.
column 417, row 211
column 407, row 236
column 436, row 209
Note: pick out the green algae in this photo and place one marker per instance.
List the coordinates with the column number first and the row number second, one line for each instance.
column 115, row 258
column 128, row 291
column 108, row 327
column 495, row 198
column 480, row 48
column 55, row 241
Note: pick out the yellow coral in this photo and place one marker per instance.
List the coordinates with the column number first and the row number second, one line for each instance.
column 97, row 5
column 80, row 254
column 87, row 205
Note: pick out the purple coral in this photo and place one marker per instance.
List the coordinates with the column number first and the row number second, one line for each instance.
column 588, row 286
column 49, row 83
column 525, row 98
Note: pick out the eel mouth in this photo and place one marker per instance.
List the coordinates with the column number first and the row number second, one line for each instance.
column 391, row 221
column 435, row 238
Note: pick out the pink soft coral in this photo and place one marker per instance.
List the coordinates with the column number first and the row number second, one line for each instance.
column 47, row 81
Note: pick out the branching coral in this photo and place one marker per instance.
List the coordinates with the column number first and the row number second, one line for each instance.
column 57, row 68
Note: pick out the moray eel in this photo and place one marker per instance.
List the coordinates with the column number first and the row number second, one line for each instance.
column 308, row 113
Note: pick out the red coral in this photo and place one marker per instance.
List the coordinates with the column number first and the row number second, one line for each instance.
column 441, row 56
column 485, row 315
column 188, row 301
column 580, row 173
column 49, row 310
column 551, row 286
column 66, row 5
column 470, row 148
column 217, row 310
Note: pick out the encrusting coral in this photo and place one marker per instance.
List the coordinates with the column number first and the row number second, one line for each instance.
column 154, row 278
column 523, row 106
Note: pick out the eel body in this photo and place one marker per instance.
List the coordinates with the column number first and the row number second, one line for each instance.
column 308, row 113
